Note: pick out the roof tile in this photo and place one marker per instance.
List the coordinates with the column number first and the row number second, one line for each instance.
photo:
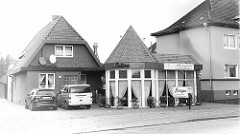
column 213, row 12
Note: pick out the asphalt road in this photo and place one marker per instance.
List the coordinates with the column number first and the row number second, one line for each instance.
column 215, row 126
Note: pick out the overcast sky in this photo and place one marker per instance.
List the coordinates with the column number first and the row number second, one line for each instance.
column 101, row 21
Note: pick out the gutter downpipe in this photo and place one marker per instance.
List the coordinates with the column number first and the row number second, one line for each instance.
column 210, row 59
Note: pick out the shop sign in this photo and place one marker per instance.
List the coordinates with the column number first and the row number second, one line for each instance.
column 181, row 92
column 176, row 66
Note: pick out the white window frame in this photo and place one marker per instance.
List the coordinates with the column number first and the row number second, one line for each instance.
column 46, row 81
column 235, row 92
column 64, row 51
column 227, row 92
column 236, row 71
column 228, row 41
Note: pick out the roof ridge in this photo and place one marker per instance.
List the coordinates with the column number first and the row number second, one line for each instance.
column 54, row 22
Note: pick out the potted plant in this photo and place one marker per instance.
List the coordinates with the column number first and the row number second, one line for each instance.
column 171, row 101
column 102, row 102
column 119, row 103
column 151, row 101
column 163, row 101
column 135, row 104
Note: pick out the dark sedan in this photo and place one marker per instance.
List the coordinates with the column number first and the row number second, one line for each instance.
column 40, row 98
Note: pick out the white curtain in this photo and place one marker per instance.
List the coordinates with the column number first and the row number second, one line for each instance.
column 112, row 88
column 42, row 80
column 147, row 88
column 50, row 80
column 180, row 83
column 122, row 88
column 137, row 90
column 160, row 87
column 170, row 85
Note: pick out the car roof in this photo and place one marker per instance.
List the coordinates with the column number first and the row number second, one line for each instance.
column 76, row 85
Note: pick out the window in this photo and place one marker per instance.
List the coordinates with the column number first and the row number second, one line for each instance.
column 136, row 74
column 122, row 74
column 112, row 74
column 71, row 79
column 46, row 81
column 147, row 73
column 83, row 79
column 229, row 41
column 235, row 92
column 63, row 51
column 230, row 71
column 227, row 92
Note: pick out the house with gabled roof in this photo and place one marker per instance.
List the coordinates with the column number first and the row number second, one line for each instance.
column 210, row 33
column 56, row 56
column 133, row 72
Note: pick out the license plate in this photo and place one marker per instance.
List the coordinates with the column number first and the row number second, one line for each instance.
column 46, row 97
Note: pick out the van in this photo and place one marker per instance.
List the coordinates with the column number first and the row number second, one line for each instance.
column 75, row 95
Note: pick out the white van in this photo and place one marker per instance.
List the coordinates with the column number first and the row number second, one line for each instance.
column 75, row 95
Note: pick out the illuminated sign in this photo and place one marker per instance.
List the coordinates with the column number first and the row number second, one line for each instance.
column 176, row 66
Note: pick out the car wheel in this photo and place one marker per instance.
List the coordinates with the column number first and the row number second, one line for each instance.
column 66, row 106
column 55, row 108
column 32, row 107
column 88, row 106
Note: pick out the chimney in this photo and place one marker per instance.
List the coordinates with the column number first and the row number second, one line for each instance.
column 95, row 47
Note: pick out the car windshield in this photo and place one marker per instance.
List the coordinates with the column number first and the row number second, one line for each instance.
column 45, row 92
column 80, row 89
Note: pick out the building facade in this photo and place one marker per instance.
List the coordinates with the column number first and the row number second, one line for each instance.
column 133, row 72
column 210, row 33
column 56, row 56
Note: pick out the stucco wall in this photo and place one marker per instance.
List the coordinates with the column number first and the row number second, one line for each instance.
column 221, row 56
column 168, row 44
column 2, row 90
column 81, row 57
column 19, row 88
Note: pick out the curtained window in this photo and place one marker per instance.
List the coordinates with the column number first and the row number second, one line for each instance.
column 112, row 88
column 137, row 90
column 147, row 88
column 122, row 88
column 46, row 81
column 161, row 84
column 170, row 85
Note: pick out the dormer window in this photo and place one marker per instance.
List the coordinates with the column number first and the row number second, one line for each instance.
column 64, row 51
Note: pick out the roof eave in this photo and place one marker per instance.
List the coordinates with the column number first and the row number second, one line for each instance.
column 177, row 30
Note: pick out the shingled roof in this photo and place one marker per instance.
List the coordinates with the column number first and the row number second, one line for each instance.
column 59, row 31
column 212, row 12
column 131, row 49
column 175, row 58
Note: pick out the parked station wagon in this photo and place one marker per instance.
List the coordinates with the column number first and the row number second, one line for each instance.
column 40, row 98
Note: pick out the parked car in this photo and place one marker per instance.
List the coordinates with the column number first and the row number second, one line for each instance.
column 75, row 95
column 40, row 98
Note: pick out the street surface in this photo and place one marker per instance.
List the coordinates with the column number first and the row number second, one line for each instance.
column 207, row 118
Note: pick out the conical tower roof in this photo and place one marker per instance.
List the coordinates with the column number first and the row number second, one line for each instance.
column 131, row 49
